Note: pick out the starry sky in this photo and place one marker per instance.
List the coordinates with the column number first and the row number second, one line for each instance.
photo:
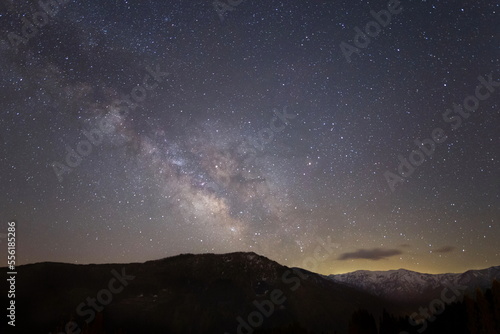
column 136, row 130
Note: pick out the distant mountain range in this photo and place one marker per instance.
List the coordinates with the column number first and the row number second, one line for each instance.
column 227, row 293
column 413, row 287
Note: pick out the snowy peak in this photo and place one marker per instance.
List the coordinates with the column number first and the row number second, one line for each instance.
column 402, row 284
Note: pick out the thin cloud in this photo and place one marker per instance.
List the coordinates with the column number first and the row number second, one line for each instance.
column 374, row 254
column 445, row 249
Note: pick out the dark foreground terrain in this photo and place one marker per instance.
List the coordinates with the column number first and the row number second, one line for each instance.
column 241, row 293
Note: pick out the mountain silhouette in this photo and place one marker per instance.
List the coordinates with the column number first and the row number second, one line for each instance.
column 206, row 293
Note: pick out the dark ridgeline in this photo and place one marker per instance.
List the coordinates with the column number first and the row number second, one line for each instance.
column 475, row 314
column 215, row 294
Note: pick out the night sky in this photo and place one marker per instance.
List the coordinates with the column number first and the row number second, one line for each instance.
column 136, row 130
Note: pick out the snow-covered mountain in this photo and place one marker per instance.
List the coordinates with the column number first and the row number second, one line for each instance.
column 405, row 285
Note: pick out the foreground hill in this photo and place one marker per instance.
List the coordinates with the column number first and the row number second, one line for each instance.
column 183, row 294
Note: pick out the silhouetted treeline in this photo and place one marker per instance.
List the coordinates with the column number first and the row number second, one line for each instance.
column 478, row 314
